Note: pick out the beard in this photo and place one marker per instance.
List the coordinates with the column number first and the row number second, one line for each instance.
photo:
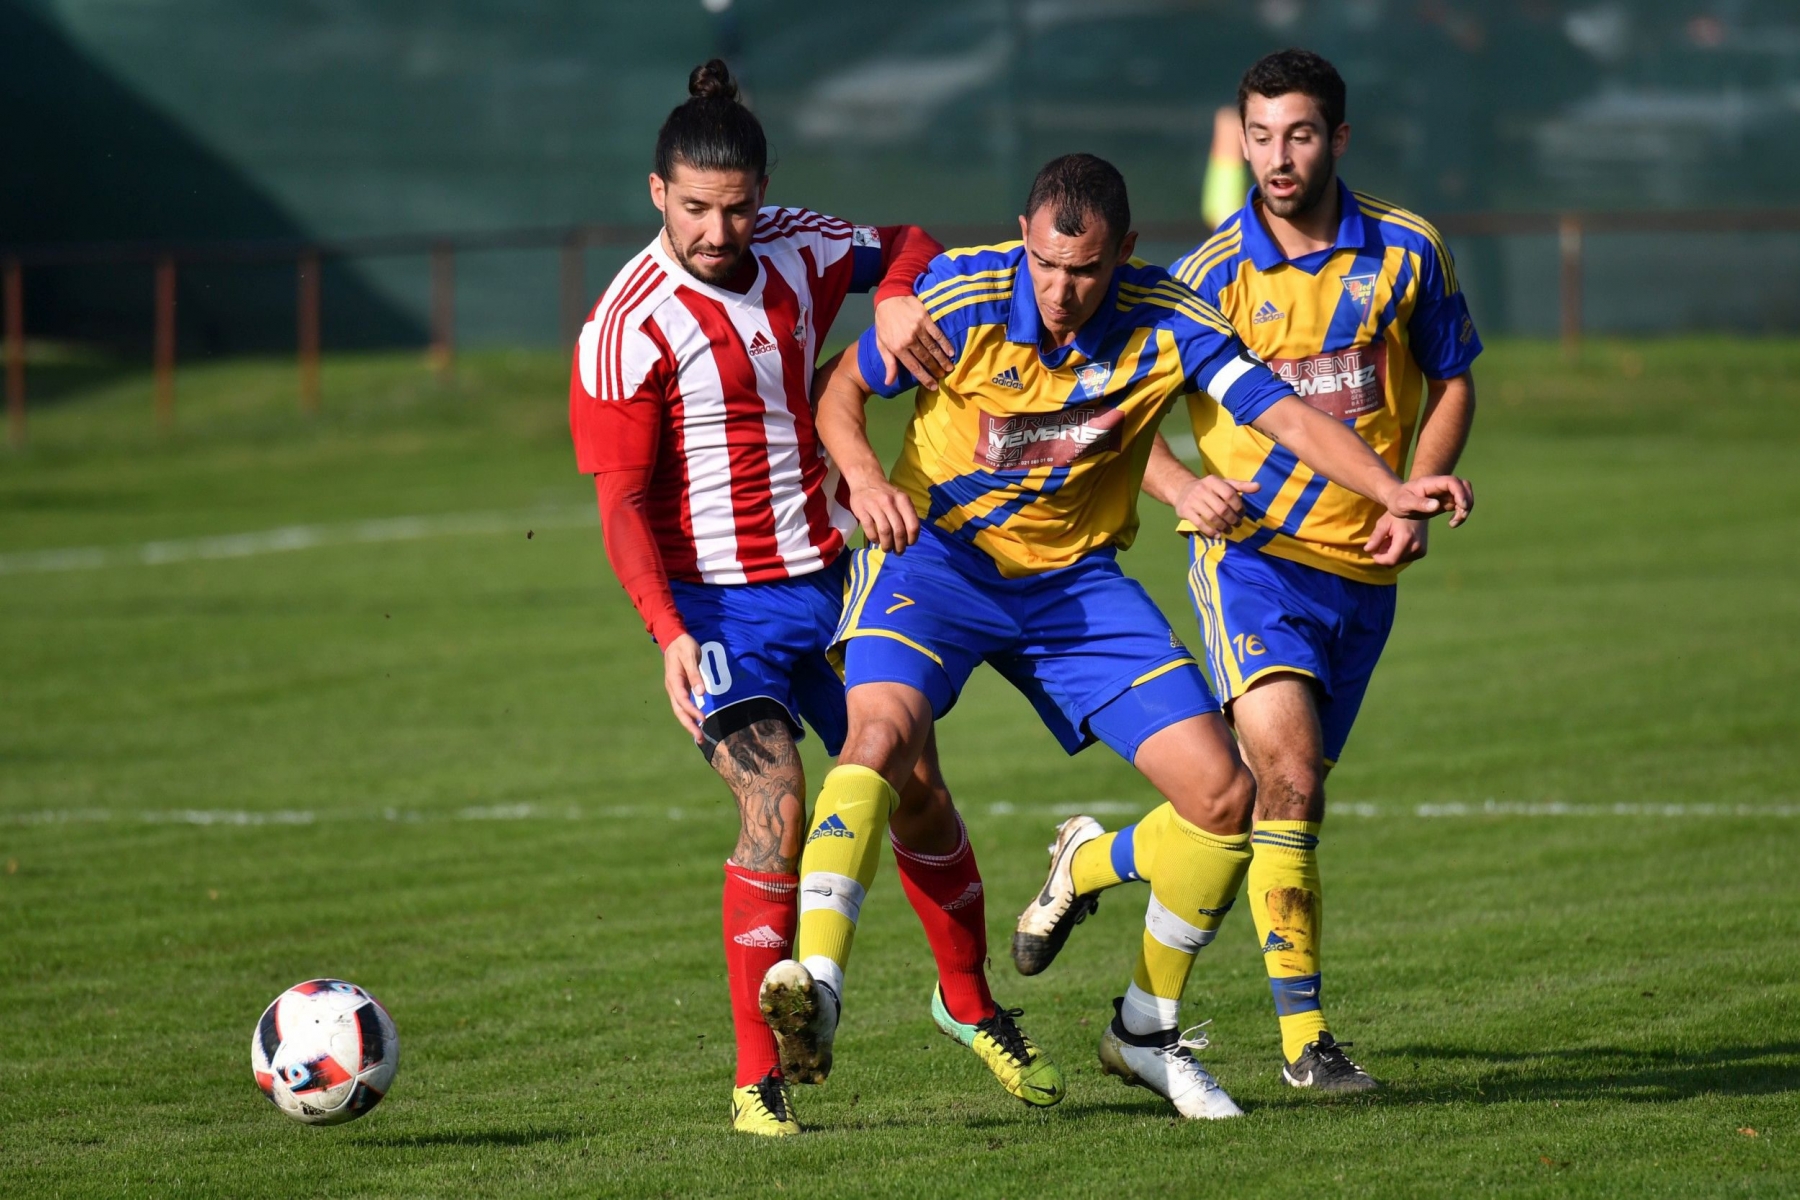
column 1311, row 192
column 713, row 273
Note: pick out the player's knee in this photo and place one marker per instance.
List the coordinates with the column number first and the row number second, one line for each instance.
column 884, row 743
column 1224, row 806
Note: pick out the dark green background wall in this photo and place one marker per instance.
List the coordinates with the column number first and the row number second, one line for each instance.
column 229, row 118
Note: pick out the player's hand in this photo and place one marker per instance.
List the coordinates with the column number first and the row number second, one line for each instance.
column 1213, row 504
column 1397, row 540
column 683, row 681
column 908, row 337
column 1432, row 494
column 887, row 515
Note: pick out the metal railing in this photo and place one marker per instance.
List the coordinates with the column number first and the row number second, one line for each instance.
column 1570, row 229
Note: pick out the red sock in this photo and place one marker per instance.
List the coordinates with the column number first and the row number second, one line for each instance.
column 760, row 912
column 945, row 891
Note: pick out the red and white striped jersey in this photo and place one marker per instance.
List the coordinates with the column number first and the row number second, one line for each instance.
column 712, row 390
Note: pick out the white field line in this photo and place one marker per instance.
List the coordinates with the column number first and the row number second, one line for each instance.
column 291, row 537
column 574, row 812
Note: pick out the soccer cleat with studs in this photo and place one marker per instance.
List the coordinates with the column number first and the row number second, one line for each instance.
column 803, row 1013
column 1023, row 1069
column 764, row 1108
column 1054, row 913
column 1164, row 1063
column 1324, row 1067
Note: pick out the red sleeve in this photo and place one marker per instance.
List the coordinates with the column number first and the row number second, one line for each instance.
column 906, row 250
column 631, row 549
column 616, row 437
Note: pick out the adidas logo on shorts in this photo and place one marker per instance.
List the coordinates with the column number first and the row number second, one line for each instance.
column 761, row 937
column 1009, row 378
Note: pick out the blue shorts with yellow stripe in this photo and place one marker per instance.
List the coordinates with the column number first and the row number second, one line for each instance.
column 1084, row 643
column 1261, row 615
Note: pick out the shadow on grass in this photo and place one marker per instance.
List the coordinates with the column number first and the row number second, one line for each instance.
column 469, row 1137
column 1612, row 1072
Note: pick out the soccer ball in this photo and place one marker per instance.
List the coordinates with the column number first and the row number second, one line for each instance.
column 325, row 1052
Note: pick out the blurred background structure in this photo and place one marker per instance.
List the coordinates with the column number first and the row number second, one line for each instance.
column 161, row 127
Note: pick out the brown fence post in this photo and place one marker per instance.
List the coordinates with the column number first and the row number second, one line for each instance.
column 1569, row 252
column 443, row 307
column 165, row 341
column 15, row 353
column 308, row 304
column 574, row 286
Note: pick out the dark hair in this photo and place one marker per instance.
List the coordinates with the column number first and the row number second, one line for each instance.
column 711, row 130
column 1080, row 186
column 1300, row 71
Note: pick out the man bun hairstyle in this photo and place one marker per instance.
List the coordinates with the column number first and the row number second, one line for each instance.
column 1295, row 70
column 712, row 130
column 1079, row 188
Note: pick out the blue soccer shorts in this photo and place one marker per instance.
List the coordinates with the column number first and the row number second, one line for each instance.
column 1084, row 643
column 1261, row 615
column 763, row 653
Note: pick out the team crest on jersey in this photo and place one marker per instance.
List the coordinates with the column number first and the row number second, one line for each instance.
column 1093, row 378
column 1361, row 290
column 800, row 326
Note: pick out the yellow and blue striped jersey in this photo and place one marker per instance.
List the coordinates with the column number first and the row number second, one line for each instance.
column 1035, row 456
column 1355, row 330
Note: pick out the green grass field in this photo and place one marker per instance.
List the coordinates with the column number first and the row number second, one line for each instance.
column 1563, row 876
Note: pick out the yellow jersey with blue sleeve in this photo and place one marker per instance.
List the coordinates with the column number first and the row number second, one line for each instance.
column 1355, row 330
column 1035, row 456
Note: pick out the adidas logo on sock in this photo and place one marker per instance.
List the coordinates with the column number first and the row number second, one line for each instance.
column 832, row 826
column 1276, row 942
column 760, row 344
column 762, row 937
column 970, row 895
column 1009, row 378
column 1267, row 312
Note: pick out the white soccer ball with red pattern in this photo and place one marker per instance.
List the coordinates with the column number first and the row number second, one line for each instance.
column 325, row 1052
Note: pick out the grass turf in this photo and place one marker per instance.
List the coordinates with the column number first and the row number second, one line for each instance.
column 441, row 767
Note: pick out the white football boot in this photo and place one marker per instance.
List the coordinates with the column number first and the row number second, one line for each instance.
column 1164, row 1062
column 803, row 1013
column 1054, row 913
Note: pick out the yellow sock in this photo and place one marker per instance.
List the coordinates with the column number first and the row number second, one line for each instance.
column 837, row 866
column 1285, row 904
column 1194, row 877
column 1115, row 858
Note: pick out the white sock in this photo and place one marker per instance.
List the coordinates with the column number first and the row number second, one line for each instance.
column 827, row 972
column 1143, row 1013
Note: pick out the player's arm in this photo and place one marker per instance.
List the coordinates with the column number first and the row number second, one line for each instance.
column 1217, row 362
column 1442, row 340
column 1449, row 415
column 1210, row 503
column 904, row 332
column 842, row 395
column 616, row 441
column 1334, row 450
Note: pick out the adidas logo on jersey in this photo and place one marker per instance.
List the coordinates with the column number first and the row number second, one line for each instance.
column 760, row 344
column 1009, row 378
column 832, row 826
column 1268, row 312
column 761, row 937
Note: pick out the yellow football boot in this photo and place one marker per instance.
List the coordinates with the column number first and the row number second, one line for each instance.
column 1022, row 1069
column 764, row 1108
